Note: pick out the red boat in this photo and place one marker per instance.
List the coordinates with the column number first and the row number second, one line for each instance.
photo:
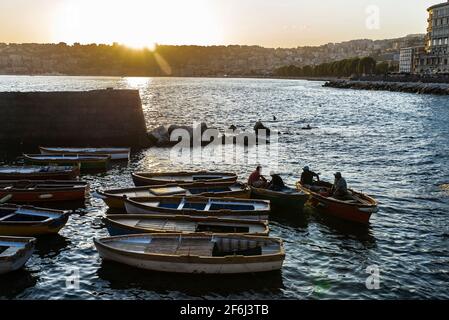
column 356, row 207
column 23, row 191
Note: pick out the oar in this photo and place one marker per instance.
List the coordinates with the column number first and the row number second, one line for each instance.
column 6, row 199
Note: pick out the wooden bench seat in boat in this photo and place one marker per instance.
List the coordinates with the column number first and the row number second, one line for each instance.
column 184, row 247
column 167, row 225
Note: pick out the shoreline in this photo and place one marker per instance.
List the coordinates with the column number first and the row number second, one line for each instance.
column 322, row 79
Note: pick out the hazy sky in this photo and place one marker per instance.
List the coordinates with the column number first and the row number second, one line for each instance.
column 270, row 23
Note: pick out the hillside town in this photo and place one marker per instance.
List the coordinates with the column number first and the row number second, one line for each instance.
column 234, row 60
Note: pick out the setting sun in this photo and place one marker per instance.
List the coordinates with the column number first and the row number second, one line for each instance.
column 136, row 23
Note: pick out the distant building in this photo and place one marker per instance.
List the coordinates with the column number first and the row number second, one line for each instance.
column 436, row 56
column 408, row 59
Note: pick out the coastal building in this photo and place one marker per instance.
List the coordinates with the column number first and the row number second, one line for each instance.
column 436, row 56
column 408, row 59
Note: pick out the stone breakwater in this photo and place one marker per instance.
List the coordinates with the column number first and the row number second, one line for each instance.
column 409, row 87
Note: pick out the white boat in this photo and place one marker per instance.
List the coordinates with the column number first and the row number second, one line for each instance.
column 14, row 253
column 125, row 224
column 161, row 178
column 115, row 198
column 114, row 153
column 225, row 208
column 194, row 253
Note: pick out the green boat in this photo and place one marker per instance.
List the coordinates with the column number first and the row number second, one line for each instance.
column 86, row 162
column 286, row 198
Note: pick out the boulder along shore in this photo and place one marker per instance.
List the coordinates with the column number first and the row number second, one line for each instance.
column 409, row 87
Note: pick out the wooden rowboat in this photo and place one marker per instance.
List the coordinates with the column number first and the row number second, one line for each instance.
column 30, row 221
column 115, row 198
column 86, row 162
column 356, row 207
column 14, row 253
column 23, row 191
column 194, row 253
column 39, row 172
column 287, row 198
column 139, row 224
column 114, row 153
column 225, row 208
column 151, row 178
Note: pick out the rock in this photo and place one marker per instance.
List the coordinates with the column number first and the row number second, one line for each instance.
column 260, row 126
column 159, row 137
column 190, row 130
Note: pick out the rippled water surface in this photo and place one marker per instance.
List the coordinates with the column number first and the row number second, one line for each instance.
column 394, row 146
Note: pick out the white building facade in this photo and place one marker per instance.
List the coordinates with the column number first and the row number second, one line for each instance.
column 436, row 57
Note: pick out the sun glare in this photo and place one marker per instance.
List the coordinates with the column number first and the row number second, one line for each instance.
column 137, row 23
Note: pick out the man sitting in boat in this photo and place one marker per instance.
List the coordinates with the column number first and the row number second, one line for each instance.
column 307, row 177
column 340, row 187
column 276, row 183
column 257, row 180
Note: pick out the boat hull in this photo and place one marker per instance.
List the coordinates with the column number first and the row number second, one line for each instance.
column 119, row 154
column 116, row 228
column 85, row 165
column 134, row 208
column 281, row 200
column 181, row 178
column 19, row 259
column 344, row 212
column 33, row 229
column 35, row 191
column 191, row 268
column 192, row 264
column 45, row 196
column 56, row 175
column 354, row 213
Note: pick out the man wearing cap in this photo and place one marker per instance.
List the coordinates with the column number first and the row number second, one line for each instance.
column 307, row 176
column 340, row 187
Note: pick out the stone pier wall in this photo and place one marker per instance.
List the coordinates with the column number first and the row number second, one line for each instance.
column 409, row 87
column 92, row 118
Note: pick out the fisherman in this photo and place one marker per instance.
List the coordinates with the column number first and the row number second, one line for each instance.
column 340, row 187
column 307, row 176
column 276, row 183
column 256, row 179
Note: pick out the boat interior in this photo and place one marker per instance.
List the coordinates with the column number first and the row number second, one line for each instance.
column 193, row 226
column 324, row 189
column 25, row 215
column 172, row 190
column 10, row 248
column 210, row 205
column 29, row 170
column 215, row 246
